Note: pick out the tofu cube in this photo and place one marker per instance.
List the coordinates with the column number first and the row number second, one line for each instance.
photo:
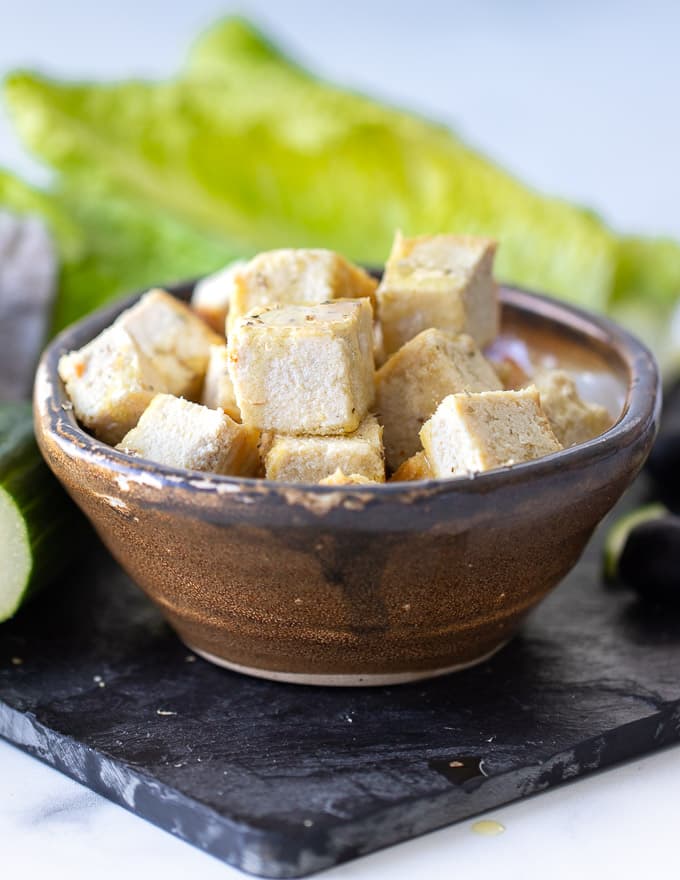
column 304, row 369
column 218, row 390
column 212, row 295
column 572, row 419
column 469, row 433
column 442, row 281
column 182, row 434
column 417, row 467
column 312, row 459
column 174, row 338
column 341, row 479
column 110, row 383
column 296, row 277
column 417, row 378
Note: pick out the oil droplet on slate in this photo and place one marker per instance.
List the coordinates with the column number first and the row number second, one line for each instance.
column 488, row 827
column 459, row 769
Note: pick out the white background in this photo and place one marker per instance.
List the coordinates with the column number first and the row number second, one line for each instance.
column 580, row 99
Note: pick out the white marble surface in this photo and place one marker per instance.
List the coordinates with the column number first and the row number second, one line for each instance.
column 580, row 99
column 623, row 820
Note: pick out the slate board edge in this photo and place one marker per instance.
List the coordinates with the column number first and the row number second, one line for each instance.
column 273, row 854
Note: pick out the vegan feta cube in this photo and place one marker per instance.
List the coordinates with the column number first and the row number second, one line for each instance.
column 218, row 390
column 110, row 383
column 572, row 419
column 469, row 433
column 174, row 338
column 311, row 459
column 296, row 277
column 417, row 467
column 211, row 296
column 417, row 378
column 181, row 434
column 304, row 369
column 443, row 281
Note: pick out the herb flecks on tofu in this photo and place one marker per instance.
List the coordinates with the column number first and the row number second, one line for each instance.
column 443, row 281
column 474, row 432
column 304, row 369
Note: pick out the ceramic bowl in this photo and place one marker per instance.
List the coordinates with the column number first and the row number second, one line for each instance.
column 360, row 585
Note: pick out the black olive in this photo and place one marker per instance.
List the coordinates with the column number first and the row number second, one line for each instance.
column 618, row 533
column 663, row 463
column 650, row 560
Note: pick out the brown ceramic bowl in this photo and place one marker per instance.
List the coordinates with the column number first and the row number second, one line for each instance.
column 359, row 585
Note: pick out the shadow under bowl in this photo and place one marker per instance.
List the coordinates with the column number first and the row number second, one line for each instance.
column 359, row 585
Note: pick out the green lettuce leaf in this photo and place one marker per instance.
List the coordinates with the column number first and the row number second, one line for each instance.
column 130, row 246
column 247, row 146
column 233, row 47
column 646, row 294
column 20, row 198
column 110, row 246
column 648, row 270
column 246, row 150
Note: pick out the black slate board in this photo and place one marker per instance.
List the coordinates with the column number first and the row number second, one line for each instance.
column 282, row 780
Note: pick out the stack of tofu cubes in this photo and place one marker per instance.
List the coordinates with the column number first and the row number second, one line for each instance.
column 294, row 394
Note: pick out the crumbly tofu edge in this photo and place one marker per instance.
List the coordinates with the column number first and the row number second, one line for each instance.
column 572, row 419
column 417, row 467
column 339, row 478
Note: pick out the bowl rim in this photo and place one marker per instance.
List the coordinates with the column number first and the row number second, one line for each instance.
column 54, row 418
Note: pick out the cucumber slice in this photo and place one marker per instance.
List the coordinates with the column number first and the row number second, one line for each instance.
column 39, row 523
column 618, row 535
column 17, row 556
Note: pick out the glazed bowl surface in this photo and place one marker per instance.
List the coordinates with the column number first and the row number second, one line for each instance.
column 361, row 585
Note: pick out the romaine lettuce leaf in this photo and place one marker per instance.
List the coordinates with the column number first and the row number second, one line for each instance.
column 245, row 150
column 110, row 246
column 19, row 197
column 245, row 145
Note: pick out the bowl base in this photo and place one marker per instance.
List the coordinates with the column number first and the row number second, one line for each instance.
column 374, row 679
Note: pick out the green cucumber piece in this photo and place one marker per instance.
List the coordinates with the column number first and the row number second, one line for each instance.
column 37, row 518
column 17, row 562
column 618, row 535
